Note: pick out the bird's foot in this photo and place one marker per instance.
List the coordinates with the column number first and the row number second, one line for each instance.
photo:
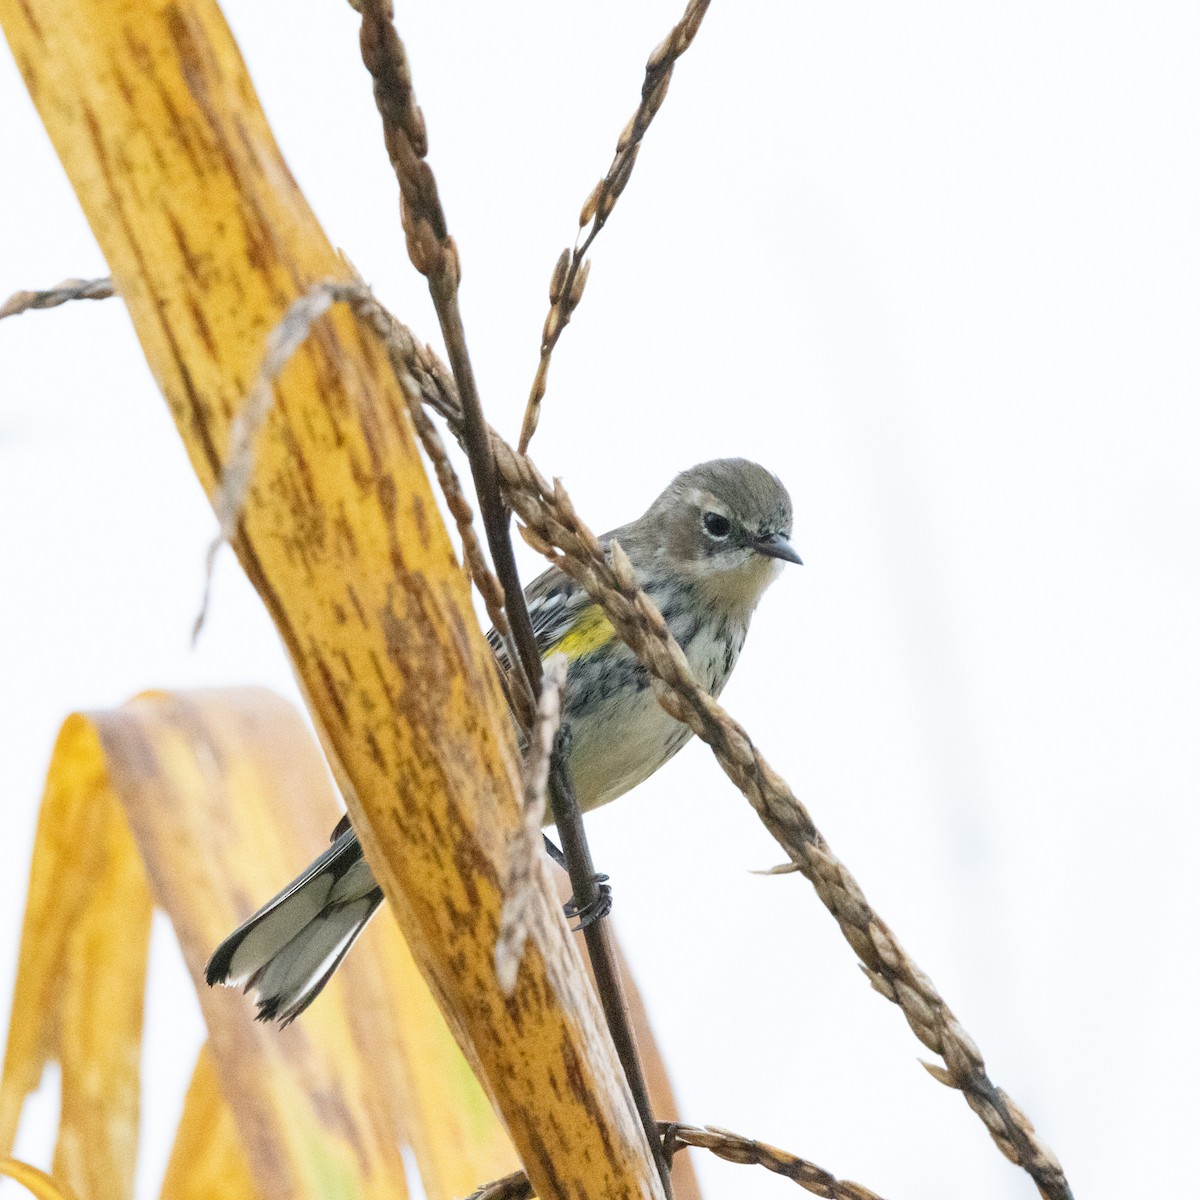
column 590, row 913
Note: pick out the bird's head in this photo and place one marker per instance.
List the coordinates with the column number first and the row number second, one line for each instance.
column 724, row 526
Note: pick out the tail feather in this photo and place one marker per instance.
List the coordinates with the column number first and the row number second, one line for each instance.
column 287, row 951
column 293, row 979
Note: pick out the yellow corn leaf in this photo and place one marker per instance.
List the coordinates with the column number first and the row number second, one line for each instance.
column 36, row 1182
column 227, row 796
column 81, row 974
column 210, row 241
column 208, row 1161
column 452, row 1126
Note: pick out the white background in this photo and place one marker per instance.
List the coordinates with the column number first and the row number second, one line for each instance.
column 934, row 264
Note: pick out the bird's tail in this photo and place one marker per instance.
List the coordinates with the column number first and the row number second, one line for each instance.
column 287, row 951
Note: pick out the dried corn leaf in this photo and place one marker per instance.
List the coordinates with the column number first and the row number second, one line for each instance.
column 227, row 795
column 452, row 1128
column 207, row 1161
column 81, row 975
column 36, row 1182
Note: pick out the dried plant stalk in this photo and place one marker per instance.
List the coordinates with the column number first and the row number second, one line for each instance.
column 434, row 254
column 732, row 1147
column 571, row 271
column 209, row 241
column 526, row 856
column 61, row 293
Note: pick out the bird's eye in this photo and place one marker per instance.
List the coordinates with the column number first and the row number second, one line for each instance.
column 716, row 526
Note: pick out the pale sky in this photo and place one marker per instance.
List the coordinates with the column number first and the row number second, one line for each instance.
column 938, row 267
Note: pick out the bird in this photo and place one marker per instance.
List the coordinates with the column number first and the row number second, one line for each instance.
column 705, row 551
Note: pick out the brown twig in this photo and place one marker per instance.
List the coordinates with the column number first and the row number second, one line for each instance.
column 69, row 289
column 734, row 1148
column 571, row 271
column 526, row 855
column 731, row 1147
column 553, row 527
column 415, row 360
column 434, row 254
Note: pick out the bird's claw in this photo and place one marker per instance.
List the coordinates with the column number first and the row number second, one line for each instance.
column 590, row 913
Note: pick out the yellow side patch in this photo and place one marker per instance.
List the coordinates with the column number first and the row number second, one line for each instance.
column 589, row 633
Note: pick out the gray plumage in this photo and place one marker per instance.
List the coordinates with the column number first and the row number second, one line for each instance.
column 705, row 551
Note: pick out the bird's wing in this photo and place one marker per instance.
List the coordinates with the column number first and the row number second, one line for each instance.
column 555, row 601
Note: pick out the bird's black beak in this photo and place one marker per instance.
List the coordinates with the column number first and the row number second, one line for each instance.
column 775, row 545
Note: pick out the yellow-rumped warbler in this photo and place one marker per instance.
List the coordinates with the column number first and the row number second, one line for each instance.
column 704, row 552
